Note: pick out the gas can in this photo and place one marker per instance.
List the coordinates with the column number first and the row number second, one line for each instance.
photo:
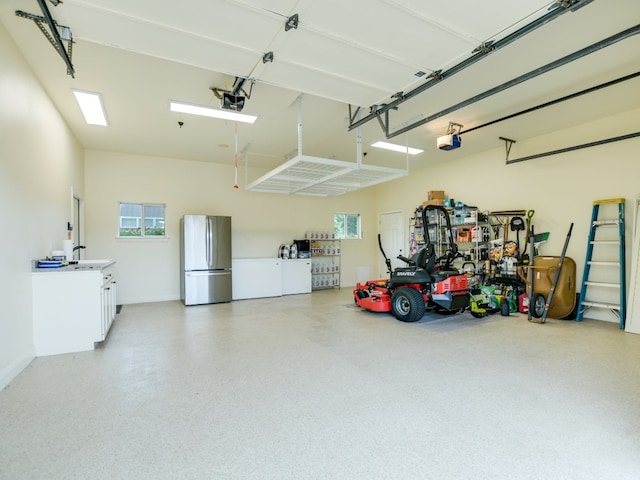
column 523, row 303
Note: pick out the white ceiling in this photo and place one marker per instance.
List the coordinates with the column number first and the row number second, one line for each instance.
column 141, row 54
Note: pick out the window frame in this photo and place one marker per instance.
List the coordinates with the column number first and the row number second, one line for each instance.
column 346, row 222
column 143, row 220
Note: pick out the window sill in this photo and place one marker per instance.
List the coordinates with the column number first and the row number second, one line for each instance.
column 143, row 239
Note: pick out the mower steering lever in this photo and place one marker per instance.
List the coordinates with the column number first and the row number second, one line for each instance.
column 405, row 259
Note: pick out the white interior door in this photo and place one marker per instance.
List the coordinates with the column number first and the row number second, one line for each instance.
column 391, row 228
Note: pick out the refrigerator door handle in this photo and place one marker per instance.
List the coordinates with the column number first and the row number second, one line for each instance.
column 208, row 273
column 208, row 240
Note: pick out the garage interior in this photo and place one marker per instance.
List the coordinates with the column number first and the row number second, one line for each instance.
column 545, row 99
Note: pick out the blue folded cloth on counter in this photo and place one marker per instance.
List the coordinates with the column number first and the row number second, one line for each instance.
column 49, row 263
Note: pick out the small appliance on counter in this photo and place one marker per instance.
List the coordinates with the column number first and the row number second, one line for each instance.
column 303, row 248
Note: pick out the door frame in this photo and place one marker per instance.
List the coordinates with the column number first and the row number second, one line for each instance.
column 401, row 240
column 77, row 220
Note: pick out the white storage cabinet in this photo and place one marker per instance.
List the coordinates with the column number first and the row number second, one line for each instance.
column 73, row 308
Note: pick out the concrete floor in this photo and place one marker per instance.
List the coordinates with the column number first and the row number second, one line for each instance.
column 309, row 387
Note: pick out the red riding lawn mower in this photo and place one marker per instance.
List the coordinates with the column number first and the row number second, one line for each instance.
column 427, row 283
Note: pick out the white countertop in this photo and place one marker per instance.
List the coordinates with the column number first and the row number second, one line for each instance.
column 75, row 266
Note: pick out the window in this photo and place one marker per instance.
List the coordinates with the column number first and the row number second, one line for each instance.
column 347, row 225
column 141, row 220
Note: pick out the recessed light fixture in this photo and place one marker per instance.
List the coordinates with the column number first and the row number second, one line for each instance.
column 92, row 108
column 397, row 148
column 181, row 107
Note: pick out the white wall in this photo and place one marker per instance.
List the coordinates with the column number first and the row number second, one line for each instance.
column 560, row 188
column 41, row 162
column 148, row 270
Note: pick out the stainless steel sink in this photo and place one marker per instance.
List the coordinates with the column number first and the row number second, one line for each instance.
column 100, row 262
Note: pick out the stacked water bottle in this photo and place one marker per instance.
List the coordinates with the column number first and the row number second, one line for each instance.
column 325, row 272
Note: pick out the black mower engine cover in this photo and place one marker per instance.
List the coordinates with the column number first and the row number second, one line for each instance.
column 451, row 301
column 409, row 275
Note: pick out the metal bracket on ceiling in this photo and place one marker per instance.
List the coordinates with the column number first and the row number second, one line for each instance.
column 484, row 47
column 238, row 87
column 354, row 113
column 292, row 22
column 384, row 124
column 435, row 75
column 454, row 128
column 508, row 143
column 572, row 5
column 56, row 33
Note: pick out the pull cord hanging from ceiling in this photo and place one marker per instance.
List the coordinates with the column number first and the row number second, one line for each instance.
column 235, row 157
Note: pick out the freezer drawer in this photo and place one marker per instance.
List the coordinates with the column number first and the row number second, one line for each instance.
column 207, row 287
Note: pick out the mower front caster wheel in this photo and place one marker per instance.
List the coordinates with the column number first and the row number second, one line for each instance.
column 407, row 305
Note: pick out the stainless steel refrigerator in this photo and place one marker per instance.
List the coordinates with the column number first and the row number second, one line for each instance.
column 205, row 259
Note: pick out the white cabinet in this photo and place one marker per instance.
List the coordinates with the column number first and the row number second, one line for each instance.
column 73, row 307
column 296, row 276
column 256, row 277
column 108, row 302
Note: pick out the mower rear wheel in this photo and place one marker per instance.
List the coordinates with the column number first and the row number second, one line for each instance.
column 407, row 305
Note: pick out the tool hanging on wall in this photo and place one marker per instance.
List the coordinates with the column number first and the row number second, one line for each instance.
column 529, row 229
column 517, row 225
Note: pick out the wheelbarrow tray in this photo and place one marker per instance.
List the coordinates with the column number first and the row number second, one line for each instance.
column 564, row 296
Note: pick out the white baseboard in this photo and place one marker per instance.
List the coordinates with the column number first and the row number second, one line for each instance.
column 148, row 299
column 13, row 369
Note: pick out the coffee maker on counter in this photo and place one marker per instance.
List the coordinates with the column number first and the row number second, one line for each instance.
column 303, row 247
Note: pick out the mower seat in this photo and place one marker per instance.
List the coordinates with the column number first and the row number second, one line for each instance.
column 426, row 258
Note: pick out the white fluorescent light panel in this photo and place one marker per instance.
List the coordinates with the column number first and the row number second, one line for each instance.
column 397, row 148
column 92, row 108
column 210, row 112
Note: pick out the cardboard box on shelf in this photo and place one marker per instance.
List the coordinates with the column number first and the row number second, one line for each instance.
column 433, row 202
column 435, row 195
column 463, row 235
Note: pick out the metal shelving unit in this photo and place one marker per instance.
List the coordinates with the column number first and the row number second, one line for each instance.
column 325, row 260
column 471, row 230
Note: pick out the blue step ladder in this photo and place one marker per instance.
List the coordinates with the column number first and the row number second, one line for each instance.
column 619, row 309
